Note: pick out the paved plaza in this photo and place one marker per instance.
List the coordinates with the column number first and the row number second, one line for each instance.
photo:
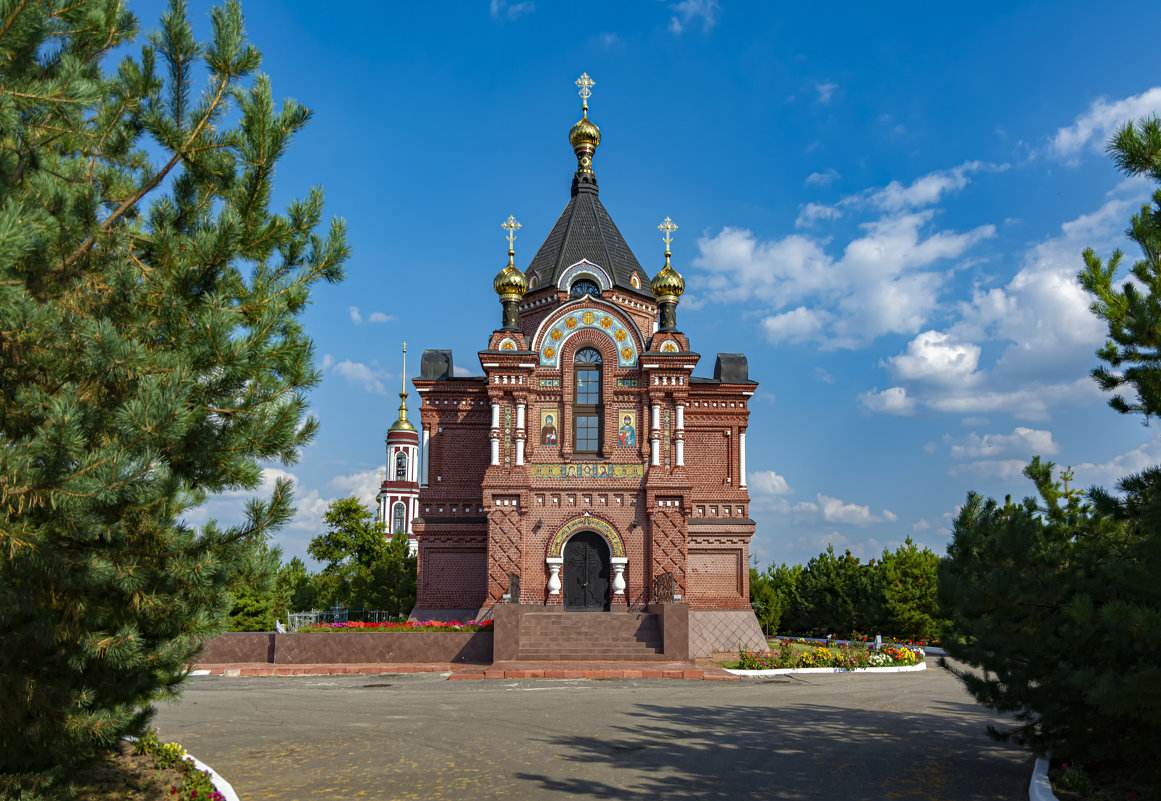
column 419, row 736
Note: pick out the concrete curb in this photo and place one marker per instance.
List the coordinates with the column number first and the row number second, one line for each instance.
column 220, row 784
column 1040, row 788
column 788, row 671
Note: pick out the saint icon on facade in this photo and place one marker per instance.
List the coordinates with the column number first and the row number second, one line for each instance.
column 627, row 433
column 548, row 430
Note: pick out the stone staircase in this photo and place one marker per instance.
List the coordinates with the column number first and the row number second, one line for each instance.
column 590, row 636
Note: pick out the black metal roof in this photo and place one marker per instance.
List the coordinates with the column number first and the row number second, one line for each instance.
column 585, row 230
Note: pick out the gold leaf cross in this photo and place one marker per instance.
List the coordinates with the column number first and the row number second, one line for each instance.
column 668, row 227
column 586, row 85
column 510, row 225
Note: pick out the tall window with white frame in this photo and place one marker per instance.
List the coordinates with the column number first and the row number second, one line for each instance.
column 401, row 467
column 587, row 405
column 397, row 518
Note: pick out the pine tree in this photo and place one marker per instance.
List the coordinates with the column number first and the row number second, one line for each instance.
column 1057, row 599
column 150, row 355
column 906, row 579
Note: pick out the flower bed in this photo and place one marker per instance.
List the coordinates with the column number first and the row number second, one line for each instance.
column 408, row 626
column 791, row 654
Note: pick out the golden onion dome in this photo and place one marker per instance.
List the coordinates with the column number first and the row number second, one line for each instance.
column 585, row 132
column 510, row 283
column 668, row 283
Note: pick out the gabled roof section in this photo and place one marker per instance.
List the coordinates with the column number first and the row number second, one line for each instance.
column 585, row 230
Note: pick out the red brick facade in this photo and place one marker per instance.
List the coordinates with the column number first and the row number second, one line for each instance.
column 506, row 481
column 480, row 521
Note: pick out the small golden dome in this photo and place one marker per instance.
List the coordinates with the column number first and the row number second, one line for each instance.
column 585, row 132
column 667, row 284
column 510, row 283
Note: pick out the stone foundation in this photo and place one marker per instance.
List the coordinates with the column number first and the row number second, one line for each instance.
column 716, row 631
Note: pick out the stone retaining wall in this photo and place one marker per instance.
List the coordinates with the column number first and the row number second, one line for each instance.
column 348, row 648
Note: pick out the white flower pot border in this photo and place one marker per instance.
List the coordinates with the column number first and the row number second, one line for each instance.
column 788, row 671
column 220, row 784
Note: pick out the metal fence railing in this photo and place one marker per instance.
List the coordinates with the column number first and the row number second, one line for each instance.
column 338, row 614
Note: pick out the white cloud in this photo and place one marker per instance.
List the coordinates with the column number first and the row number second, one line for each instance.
column 920, row 525
column 1096, row 125
column 824, row 178
column 826, row 91
column 994, row 470
column 1026, row 442
column 459, row 371
column 380, row 317
column 767, row 482
column 610, row 40
column 837, row 511
column 375, row 317
column 1108, row 473
column 512, row 11
column 893, row 400
column 822, row 375
column 932, row 356
column 796, row 325
column 816, row 212
column 360, row 374
column 689, row 11
column 363, row 485
column 929, row 189
column 356, row 318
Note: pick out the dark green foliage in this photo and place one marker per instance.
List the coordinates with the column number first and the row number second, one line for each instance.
column 1058, row 600
column 288, row 588
column 837, row 594
column 150, row 354
column 1058, row 603
column 364, row 569
column 906, row 580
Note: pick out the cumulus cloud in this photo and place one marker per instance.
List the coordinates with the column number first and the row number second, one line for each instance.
column 767, row 482
column 687, row 12
column 1023, row 441
column 356, row 318
column 837, row 511
column 375, row 317
column 893, row 400
column 1095, row 126
column 361, row 375
column 826, row 91
column 1108, row 473
column 824, row 178
column 1040, row 324
column 886, row 280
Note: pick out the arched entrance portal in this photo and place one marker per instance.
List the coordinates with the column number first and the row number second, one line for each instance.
column 586, row 573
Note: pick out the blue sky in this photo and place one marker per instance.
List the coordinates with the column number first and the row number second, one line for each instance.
column 883, row 208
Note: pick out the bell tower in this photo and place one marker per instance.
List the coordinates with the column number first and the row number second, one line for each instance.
column 399, row 493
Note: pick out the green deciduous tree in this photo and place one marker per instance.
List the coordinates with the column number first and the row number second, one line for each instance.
column 364, row 569
column 150, row 354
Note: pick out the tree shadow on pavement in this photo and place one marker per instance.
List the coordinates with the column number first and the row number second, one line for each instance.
column 803, row 751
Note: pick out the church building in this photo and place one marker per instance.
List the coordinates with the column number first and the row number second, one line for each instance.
column 588, row 469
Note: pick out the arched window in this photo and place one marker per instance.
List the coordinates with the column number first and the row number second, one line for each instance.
column 401, row 466
column 398, row 516
column 587, row 403
column 583, row 287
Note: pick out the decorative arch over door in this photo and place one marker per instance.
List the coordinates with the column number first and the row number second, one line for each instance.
column 616, row 544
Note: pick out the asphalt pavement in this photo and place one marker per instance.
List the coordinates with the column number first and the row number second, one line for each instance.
column 420, row 736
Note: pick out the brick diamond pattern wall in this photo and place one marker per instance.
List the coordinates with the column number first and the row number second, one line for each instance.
column 669, row 544
column 715, row 631
column 504, row 542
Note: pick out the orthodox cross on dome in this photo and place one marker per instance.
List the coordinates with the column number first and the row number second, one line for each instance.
column 586, row 85
column 668, row 227
column 511, row 226
column 403, row 378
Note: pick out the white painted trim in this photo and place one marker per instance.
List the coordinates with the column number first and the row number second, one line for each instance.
column 220, row 784
column 1040, row 788
column 788, row 671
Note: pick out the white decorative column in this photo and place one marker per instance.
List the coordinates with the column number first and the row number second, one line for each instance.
column 680, row 435
column 618, row 564
column 655, row 434
column 520, row 433
column 742, row 458
column 554, row 564
column 423, row 456
column 495, row 433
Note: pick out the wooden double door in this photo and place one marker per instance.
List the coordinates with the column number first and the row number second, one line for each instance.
column 586, row 573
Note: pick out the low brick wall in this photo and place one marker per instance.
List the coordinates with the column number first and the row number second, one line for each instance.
column 349, row 648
